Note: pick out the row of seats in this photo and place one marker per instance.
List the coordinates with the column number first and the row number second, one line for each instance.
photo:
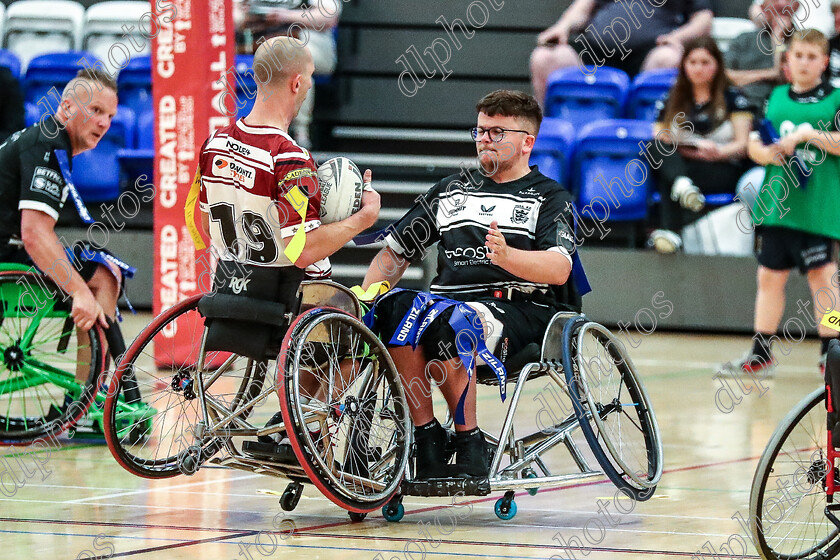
column 33, row 27
column 603, row 166
column 606, row 93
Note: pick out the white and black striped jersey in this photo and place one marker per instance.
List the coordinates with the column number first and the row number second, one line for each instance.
column 534, row 214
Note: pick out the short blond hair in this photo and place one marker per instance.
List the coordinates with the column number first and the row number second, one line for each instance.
column 810, row 36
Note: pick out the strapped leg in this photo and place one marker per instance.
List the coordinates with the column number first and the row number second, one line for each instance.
column 116, row 347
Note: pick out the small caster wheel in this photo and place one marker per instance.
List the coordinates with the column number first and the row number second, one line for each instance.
column 291, row 496
column 189, row 460
column 393, row 512
column 356, row 517
column 529, row 473
column 505, row 507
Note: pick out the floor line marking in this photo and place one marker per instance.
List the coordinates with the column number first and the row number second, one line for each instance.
column 157, row 489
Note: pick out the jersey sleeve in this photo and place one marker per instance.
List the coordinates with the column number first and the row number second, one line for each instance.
column 297, row 182
column 202, row 169
column 42, row 186
column 737, row 103
column 416, row 231
column 555, row 225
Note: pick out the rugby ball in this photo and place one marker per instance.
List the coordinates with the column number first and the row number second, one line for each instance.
column 341, row 186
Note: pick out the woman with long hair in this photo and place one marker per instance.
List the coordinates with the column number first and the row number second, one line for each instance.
column 706, row 124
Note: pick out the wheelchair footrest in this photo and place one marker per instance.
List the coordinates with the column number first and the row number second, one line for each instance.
column 446, row 487
column 277, row 452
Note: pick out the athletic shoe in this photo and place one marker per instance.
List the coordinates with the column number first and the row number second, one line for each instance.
column 688, row 195
column 430, row 452
column 665, row 241
column 750, row 365
column 472, row 456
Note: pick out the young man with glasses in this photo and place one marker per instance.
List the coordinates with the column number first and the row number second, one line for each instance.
column 504, row 257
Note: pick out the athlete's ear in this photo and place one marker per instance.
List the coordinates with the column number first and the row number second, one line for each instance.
column 296, row 83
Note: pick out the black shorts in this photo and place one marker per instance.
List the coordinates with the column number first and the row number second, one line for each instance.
column 780, row 248
column 514, row 324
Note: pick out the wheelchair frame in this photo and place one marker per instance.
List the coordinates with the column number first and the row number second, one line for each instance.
column 218, row 425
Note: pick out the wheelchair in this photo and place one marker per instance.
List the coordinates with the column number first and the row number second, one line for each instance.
column 51, row 373
column 793, row 513
column 343, row 408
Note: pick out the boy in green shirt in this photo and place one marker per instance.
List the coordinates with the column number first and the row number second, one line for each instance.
column 797, row 212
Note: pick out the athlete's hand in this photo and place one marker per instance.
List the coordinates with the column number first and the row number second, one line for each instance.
column 86, row 311
column 495, row 241
column 370, row 200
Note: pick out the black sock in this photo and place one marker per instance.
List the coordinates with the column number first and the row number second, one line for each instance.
column 761, row 346
column 426, row 427
column 824, row 341
column 469, row 433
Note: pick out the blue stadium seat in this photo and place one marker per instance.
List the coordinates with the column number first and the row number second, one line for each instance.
column 604, row 177
column 135, row 84
column 96, row 173
column 33, row 114
column 244, row 65
column 579, row 98
column 648, row 88
column 552, row 150
column 140, row 161
column 10, row 61
column 53, row 70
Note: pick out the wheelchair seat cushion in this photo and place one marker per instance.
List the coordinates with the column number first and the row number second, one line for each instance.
column 246, row 312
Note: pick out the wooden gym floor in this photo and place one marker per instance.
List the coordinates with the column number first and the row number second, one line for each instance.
column 82, row 504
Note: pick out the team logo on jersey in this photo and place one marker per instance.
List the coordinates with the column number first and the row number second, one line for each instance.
column 487, row 210
column 47, row 181
column 520, row 214
column 242, row 175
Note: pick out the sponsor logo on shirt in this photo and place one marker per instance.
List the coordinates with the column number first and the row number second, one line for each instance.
column 48, row 182
column 237, row 147
column 470, row 255
column 241, row 174
column 487, row 210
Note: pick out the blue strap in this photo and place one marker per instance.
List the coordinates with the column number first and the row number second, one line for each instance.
column 406, row 332
column 64, row 166
column 104, row 258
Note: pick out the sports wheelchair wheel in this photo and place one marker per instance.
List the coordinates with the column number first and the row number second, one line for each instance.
column 615, row 414
column 345, row 409
column 788, row 498
column 50, row 371
column 173, row 436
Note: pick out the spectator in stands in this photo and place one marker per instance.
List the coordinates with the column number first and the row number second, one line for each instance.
column 598, row 32
column 710, row 123
column 312, row 21
column 11, row 104
column 754, row 58
column 833, row 72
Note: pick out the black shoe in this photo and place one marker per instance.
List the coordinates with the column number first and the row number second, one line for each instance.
column 276, row 419
column 430, row 452
column 270, row 447
column 472, row 456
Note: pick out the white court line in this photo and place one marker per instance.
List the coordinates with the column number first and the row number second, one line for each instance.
column 158, row 489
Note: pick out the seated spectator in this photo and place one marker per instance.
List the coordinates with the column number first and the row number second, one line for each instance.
column 310, row 20
column 753, row 61
column 710, row 123
column 832, row 74
column 601, row 32
column 11, row 105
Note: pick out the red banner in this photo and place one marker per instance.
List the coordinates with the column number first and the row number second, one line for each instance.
column 190, row 57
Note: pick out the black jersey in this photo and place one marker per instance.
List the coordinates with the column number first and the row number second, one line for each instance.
column 701, row 116
column 30, row 177
column 534, row 213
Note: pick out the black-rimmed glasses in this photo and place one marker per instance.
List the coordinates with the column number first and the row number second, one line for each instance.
column 496, row 133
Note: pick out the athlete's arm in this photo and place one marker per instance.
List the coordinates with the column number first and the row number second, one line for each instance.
column 544, row 267
column 387, row 265
column 37, row 230
column 737, row 148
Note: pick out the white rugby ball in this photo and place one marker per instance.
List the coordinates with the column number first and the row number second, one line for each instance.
column 341, row 189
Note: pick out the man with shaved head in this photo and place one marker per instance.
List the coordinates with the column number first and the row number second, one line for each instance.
column 258, row 189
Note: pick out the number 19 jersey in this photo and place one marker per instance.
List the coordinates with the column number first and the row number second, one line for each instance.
column 246, row 172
